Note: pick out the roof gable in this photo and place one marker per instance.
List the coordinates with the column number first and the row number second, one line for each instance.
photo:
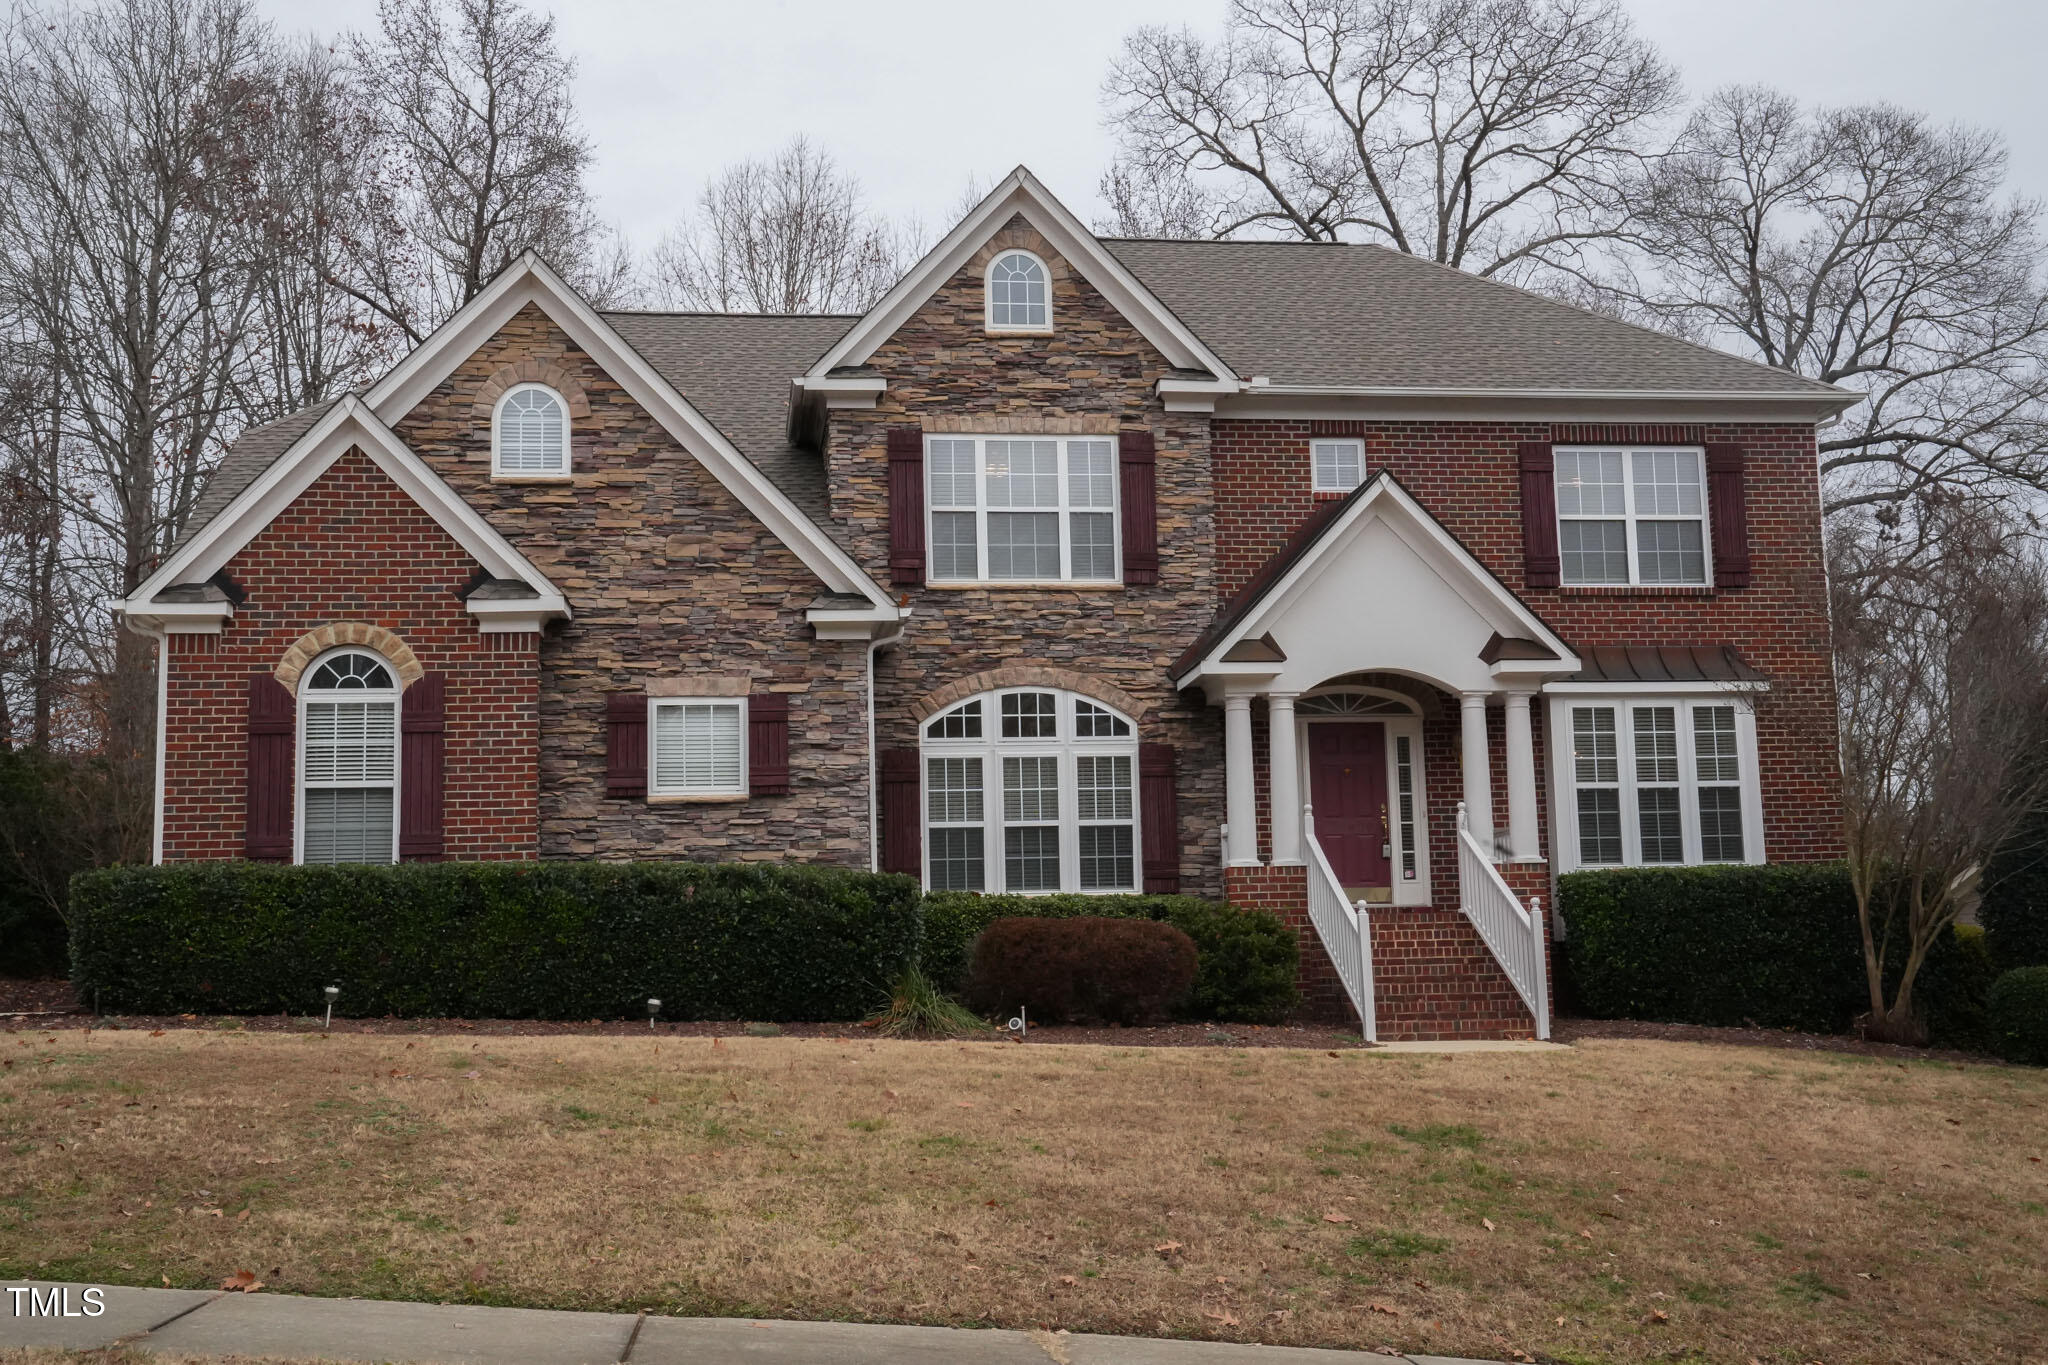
column 348, row 423
column 1021, row 194
column 531, row 281
column 1414, row 562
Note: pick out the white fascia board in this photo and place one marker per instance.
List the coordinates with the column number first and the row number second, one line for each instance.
column 171, row 618
column 853, row 623
column 1021, row 192
column 1309, row 402
column 531, row 280
column 1195, row 395
column 1453, row 562
column 350, row 423
column 1637, row 689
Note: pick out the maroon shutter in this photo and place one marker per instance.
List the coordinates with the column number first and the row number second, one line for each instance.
column 422, row 746
column 1728, row 511
column 906, row 505
column 1159, row 811
column 625, row 745
column 768, row 743
column 1140, row 469
column 273, row 719
column 902, row 832
column 1539, row 514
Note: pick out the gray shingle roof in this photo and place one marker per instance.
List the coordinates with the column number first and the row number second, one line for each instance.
column 1324, row 313
column 254, row 451
column 736, row 369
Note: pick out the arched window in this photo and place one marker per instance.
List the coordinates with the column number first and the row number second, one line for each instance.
column 348, row 760
column 1017, row 296
column 530, row 433
column 1031, row 789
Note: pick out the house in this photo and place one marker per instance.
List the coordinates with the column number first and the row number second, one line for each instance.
column 1315, row 576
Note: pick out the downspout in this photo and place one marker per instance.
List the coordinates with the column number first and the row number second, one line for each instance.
column 874, row 766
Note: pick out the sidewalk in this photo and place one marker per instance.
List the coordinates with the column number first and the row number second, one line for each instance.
column 202, row 1322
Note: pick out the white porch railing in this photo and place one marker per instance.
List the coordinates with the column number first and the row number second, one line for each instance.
column 1514, row 935
column 1344, row 927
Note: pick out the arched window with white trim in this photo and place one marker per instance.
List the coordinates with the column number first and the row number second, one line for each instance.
column 1031, row 789
column 1019, row 299
column 348, row 760
column 530, row 433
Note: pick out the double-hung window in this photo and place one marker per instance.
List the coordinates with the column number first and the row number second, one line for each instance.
column 1656, row 781
column 348, row 761
column 1022, row 509
column 1632, row 516
column 1030, row 790
column 697, row 746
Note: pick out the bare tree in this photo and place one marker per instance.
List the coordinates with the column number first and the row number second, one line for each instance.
column 1865, row 247
column 786, row 235
column 481, row 158
column 1942, row 672
column 1494, row 135
column 126, row 263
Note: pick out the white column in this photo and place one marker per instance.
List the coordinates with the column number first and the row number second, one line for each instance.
column 1284, row 775
column 1521, row 778
column 1478, row 770
column 1240, row 790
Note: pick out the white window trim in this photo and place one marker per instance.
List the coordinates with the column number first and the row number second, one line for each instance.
column 1409, row 725
column 1065, row 509
column 988, row 306
column 396, row 696
column 659, row 794
column 992, row 749
column 498, row 470
column 1316, row 468
column 1564, row 805
column 1630, row 516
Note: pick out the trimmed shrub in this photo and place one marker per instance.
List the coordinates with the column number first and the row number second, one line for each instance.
column 515, row 940
column 1126, row 971
column 2014, row 905
column 1245, row 959
column 2017, row 1013
column 1954, row 985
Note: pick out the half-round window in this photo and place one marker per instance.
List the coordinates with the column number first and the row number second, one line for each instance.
column 348, row 760
column 1017, row 296
column 1031, row 789
column 530, row 433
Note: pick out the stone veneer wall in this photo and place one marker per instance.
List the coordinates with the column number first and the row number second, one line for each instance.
column 670, row 578
column 1094, row 372
column 353, row 548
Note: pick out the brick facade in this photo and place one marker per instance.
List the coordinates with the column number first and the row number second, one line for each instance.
column 354, row 548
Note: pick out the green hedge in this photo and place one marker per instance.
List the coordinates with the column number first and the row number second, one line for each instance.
column 2018, row 1016
column 1775, row 945
column 1245, row 959
column 525, row 940
column 2014, row 907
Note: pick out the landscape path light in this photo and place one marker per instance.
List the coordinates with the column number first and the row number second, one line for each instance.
column 331, row 992
column 653, row 1008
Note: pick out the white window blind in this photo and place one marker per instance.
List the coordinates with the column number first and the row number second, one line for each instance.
column 348, row 761
column 1021, row 509
column 699, row 748
column 532, row 433
column 1632, row 516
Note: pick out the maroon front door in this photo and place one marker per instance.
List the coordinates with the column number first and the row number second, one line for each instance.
column 1347, row 784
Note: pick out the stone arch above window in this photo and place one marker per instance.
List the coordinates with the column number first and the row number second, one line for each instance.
column 508, row 377
column 314, row 643
column 1027, row 675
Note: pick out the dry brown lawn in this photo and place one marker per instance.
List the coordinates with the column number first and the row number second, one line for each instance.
column 1621, row 1201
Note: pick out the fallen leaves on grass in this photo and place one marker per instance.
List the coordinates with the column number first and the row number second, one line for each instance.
column 1336, row 1218
column 241, row 1282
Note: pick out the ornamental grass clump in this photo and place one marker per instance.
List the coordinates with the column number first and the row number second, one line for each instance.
column 918, row 1009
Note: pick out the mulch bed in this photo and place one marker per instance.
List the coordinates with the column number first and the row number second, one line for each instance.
column 51, row 1005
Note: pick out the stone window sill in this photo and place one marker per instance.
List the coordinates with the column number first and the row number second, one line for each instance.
column 1033, row 585
column 1637, row 590
column 1045, row 331
column 533, row 478
column 693, row 799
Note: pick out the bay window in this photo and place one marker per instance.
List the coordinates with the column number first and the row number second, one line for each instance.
column 1022, row 509
column 1647, row 781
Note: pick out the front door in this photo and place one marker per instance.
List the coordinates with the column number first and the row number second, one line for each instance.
column 1347, row 783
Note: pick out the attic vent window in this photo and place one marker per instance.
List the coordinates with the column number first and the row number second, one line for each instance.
column 530, row 435
column 1017, row 296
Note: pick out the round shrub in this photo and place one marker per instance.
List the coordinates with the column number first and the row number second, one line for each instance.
column 1245, row 959
column 2018, row 1013
column 1125, row 971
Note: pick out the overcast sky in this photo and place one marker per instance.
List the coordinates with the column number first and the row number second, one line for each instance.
column 916, row 96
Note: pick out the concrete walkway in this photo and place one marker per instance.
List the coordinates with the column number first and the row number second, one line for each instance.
column 202, row 1323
